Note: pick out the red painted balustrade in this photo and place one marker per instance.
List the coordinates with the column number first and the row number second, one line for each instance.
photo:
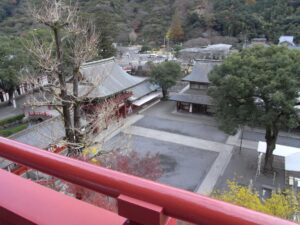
column 139, row 201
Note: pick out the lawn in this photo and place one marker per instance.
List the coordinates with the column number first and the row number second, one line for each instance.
column 8, row 127
column 12, row 130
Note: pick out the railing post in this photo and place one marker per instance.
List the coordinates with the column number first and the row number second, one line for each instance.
column 142, row 213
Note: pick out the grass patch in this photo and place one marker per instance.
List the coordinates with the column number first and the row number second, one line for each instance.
column 10, row 131
column 11, row 119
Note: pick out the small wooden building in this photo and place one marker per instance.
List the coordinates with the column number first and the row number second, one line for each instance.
column 195, row 99
column 106, row 80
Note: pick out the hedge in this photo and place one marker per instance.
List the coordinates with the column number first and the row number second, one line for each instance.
column 11, row 119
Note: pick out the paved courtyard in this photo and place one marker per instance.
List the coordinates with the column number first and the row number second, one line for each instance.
column 196, row 155
column 192, row 150
column 289, row 140
column 183, row 167
column 243, row 169
column 184, row 128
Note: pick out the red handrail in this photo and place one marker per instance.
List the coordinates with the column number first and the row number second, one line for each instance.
column 23, row 202
column 176, row 203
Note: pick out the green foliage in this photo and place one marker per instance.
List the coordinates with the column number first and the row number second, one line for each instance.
column 145, row 48
column 13, row 130
column 165, row 75
column 7, row 8
column 282, row 204
column 11, row 119
column 257, row 18
column 106, row 27
column 258, row 86
column 242, row 196
column 177, row 49
column 13, row 59
column 150, row 21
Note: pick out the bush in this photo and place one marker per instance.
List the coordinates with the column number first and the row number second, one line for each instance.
column 11, row 119
column 10, row 131
column 145, row 48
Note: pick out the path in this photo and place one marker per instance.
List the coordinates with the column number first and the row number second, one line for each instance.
column 9, row 111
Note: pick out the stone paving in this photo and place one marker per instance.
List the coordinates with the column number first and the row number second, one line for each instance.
column 205, row 151
column 212, row 172
column 187, row 128
column 243, row 169
column 177, row 139
column 183, row 166
column 9, row 111
column 282, row 140
column 161, row 130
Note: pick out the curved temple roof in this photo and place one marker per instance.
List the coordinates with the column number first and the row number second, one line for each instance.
column 200, row 71
column 104, row 78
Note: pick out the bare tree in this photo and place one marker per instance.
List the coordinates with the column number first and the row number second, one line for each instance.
column 74, row 43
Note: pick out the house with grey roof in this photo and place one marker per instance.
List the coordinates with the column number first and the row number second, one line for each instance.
column 216, row 51
column 105, row 79
column 195, row 99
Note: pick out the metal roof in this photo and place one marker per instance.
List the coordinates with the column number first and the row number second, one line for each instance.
column 104, row 78
column 142, row 89
column 209, row 48
column 200, row 71
column 290, row 154
column 195, row 99
column 289, row 39
column 146, row 99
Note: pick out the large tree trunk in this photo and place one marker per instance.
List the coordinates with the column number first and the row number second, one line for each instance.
column 165, row 93
column 63, row 88
column 271, row 138
column 76, row 107
column 11, row 96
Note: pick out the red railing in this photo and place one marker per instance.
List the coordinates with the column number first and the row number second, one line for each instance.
column 45, row 114
column 20, row 169
column 141, row 201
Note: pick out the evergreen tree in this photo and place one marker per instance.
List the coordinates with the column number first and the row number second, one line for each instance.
column 13, row 59
column 165, row 75
column 258, row 86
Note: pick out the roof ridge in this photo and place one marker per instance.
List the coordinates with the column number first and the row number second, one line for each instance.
column 208, row 60
column 98, row 61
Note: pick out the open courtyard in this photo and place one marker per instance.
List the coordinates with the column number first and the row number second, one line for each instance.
column 192, row 150
column 195, row 154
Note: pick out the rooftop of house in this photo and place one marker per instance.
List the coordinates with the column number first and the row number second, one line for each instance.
column 200, row 71
column 195, row 98
column 105, row 78
column 209, row 48
column 287, row 39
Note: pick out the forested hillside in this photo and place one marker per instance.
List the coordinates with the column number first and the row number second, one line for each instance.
column 252, row 18
column 145, row 21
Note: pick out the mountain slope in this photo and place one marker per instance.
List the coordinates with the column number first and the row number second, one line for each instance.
column 150, row 20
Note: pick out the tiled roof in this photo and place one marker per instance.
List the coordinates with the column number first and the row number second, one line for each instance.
column 201, row 70
column 104, row 78
column 142, row 89
column 192, row 96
